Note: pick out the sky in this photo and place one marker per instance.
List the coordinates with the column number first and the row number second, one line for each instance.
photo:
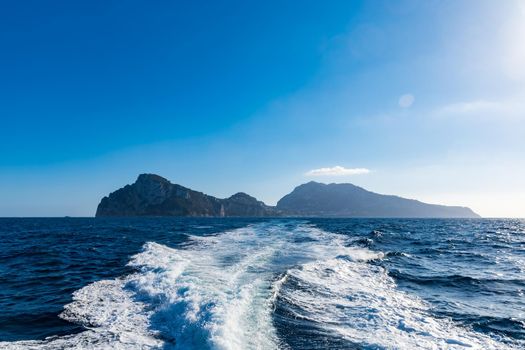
column 422, row 99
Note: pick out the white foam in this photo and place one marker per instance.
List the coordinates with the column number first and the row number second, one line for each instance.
column 215, row 294
column 113, row 318
column 361, row 303
column 219, row 293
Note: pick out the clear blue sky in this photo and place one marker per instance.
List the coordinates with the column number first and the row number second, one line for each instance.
column 427, row 96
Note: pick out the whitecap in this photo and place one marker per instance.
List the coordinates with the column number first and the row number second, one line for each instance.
column 361, row 303
column 221, row 291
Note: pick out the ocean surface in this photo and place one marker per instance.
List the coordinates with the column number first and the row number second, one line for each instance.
column 184, row 283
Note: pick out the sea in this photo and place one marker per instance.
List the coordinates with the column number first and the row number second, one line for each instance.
column 248, row 283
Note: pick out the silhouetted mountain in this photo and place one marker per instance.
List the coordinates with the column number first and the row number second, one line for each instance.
column 347, row 200
column 153, row 195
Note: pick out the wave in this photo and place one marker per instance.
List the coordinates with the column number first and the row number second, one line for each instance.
column 361, row 303
column 456, row 281
column 237, row 289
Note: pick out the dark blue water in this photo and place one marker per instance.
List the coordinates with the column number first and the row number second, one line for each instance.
column 262, row 283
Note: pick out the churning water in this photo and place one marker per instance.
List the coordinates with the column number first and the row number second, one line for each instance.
column 167, row 283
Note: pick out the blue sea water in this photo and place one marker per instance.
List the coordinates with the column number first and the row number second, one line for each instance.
column 184, row 283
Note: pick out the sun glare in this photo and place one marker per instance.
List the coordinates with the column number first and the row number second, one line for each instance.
column 514, row 44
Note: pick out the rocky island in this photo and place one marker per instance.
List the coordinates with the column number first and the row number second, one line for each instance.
column 153, row 195
column 347, row 200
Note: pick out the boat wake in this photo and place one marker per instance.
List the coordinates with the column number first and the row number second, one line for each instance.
column 270, row 285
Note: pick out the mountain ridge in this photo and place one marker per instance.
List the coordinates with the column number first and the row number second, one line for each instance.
column 349, row 200
column 153, row 195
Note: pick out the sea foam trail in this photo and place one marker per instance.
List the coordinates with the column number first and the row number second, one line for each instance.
column 350, row 300
column 213, row 294
column 221, row 292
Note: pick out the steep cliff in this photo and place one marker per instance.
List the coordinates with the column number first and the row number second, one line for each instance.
column 153, row 195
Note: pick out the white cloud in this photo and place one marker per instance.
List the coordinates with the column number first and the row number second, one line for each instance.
column 479, row 106
column 503, row 109
column 337, row 171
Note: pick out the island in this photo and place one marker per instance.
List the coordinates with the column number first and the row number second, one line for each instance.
column 153, row 195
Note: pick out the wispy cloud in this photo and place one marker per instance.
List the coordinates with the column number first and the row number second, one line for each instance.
column 337, row 171
column 511, row 108
column 470, row 107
